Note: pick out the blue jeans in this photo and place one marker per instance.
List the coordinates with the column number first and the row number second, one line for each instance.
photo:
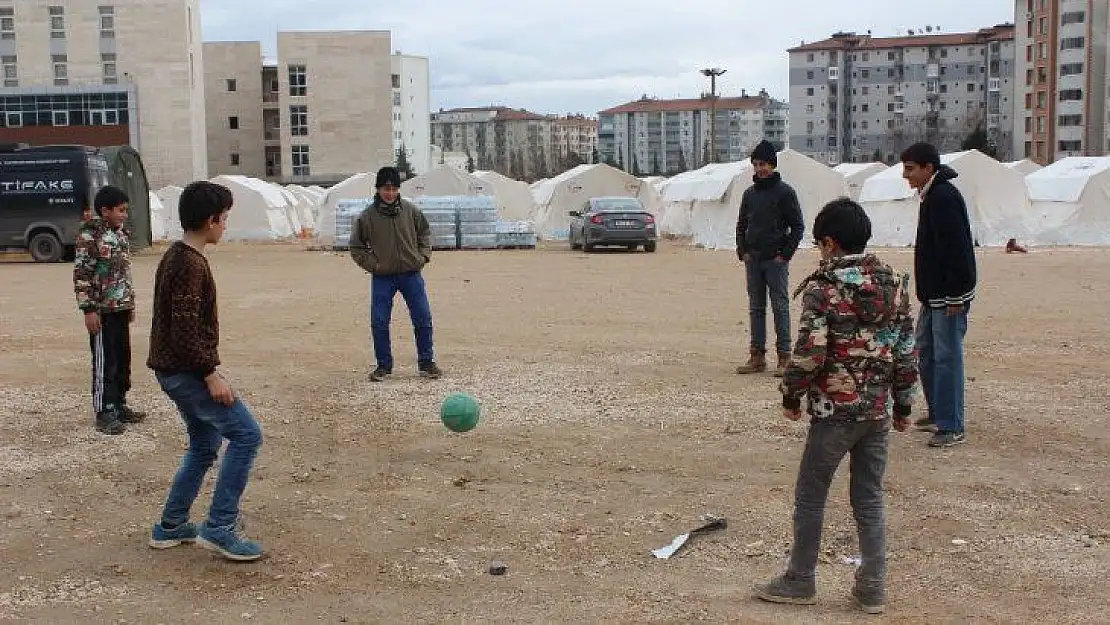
column 940, row 345
column 383, row 289
column 769, row 276
column 208, row 422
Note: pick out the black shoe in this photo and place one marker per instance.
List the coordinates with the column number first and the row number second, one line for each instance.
column 128, row 415
column 430, row 370
column 948, row 439
column 379, row 374
column 870, row 600
column 108, row 422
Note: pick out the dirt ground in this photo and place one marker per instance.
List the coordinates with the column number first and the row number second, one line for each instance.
column 611, row 422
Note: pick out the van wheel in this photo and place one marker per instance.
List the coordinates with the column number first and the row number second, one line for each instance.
column 46, row 248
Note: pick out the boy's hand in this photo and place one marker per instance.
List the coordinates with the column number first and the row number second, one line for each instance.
column 92, row 322
column 220, row 390
column 131, row 316
column 793, row 415
column 901, row 423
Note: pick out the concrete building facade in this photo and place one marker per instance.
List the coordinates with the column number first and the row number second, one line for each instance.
column 233, row 108
column 412, row 112
column 574, row 140
column 1062, row 66
column 664, row 137
column 107, row 73
column 858, row 98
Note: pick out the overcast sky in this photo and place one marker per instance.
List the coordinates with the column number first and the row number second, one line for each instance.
column 588, row 55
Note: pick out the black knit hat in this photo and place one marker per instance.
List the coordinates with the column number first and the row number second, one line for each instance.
column 765, row 152
column 388, row 175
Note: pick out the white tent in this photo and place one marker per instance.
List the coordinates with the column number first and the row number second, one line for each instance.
column 681, row 192
column 169, row 196
column 569, row 191
column 717, row 207
column 995, row 195
column 444, row 180
column 1071, row 202
column 157, row 218
column 514, row 198
column 855, row 174
column 260, row 212
column 307, row 202
column 357, row 187
column 1024, row 166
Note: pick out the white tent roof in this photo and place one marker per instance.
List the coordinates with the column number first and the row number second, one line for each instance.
column 1071, row 202
column 569, row 191
column 855, row 174
column 1068, row 178
column 1025, row 166
column 260, row 212
column 169, row 196
column 444, row 180
column 514, row 198
column 157, row 218
column 708, row 183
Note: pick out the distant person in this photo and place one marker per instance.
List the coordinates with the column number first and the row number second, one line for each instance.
column 768, row 231
column 392, row 241
column 945, row 273
column 853, row 359
column 184, row 340
column 106, row 296
column 1012, row 247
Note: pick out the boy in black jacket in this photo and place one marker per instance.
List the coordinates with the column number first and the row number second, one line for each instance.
column 944, row 266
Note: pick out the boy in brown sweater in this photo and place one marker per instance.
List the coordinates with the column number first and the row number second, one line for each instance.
column 184, row 337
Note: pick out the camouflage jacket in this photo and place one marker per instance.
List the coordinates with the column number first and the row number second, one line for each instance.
column 855, row 356
column 102, row 268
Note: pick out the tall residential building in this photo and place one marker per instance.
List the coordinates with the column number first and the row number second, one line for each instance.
column 233, row 108
column 858, row 98
column 412, row 112
column 320, row 112
column 111, row 72
column 1061, row 105
column 649, row 136
column 574, row 140
column 517, row 143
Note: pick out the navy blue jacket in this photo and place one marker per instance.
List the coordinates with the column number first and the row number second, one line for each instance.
column 944, row 254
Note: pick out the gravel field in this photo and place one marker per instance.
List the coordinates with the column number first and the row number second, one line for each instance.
column 611, row 422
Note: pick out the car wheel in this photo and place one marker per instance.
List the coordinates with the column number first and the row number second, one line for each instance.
column 46, row 248
column 649, row 246
column 587, row 247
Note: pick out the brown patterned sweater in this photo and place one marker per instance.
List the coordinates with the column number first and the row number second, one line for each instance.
column 185, row 329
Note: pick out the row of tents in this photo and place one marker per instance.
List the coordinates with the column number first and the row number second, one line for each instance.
column 1066, row 203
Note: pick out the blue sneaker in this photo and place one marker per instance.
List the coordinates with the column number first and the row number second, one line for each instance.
column 162, row 538
column 229, row 542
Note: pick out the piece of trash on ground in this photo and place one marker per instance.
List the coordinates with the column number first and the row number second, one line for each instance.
column 713, row 524
column 853, row 560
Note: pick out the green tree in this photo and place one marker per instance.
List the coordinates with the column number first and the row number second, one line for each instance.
column 403, row 165
column 980, row 140
column 469, row 161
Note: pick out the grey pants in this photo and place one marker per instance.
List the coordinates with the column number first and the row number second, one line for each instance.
column 826, row 444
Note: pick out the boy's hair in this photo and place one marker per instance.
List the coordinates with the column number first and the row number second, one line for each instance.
column 109, row 197
column 201, row 201
column 922, row 154
column 845, row 222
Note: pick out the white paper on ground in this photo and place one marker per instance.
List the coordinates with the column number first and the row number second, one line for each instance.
column 669, row 550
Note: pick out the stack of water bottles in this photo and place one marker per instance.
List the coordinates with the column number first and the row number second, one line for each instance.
column 345, row 213
column 516, row 235
column 477, row 222
column 442, row 219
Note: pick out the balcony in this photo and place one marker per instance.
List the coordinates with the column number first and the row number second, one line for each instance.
column 994, row 84
column 270, row 97
column 932, row 70
column 834, row 73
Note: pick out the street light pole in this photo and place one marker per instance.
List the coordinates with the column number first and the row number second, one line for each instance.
column 713, row 73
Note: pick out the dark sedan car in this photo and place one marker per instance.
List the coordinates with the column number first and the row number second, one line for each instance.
column 613, row 221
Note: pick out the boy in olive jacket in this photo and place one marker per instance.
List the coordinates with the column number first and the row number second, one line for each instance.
column 392, row 241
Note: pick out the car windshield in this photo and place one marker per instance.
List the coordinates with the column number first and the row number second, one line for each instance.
column 617, row 204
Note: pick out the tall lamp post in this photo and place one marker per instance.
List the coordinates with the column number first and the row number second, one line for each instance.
column 713, row 73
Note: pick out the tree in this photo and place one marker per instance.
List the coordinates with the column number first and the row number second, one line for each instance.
column 403, row 165
column 595, row 158
column 980, row 140
column 469, row 161
column 656, row 170
column 877, row 156
column 681, row 161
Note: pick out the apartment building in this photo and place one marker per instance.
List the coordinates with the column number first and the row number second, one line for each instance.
column 1061, row 104
column 111, row 72
column 513, row 142
column 574, row 140
column 233, row 108
column 663, row 137
column 858, row 98
column 412, row 113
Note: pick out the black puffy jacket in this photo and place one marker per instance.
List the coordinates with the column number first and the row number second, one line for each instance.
column 770, row 222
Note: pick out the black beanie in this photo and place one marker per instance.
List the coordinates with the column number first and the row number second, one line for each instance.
column 388, row 175
column 765, row 152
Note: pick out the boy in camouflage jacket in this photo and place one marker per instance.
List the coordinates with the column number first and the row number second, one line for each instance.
column 854, row 359
column 102, row 283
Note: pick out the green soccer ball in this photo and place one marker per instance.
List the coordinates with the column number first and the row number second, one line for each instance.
column 459, row 412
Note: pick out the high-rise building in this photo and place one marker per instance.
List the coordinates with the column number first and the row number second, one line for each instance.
column 662, row 137
column 233, row 108
column 858, row 98
column 111, row 72
column 1061, row 72
column 412, row 113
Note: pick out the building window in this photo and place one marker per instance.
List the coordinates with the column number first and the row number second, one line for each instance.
column 971, row 87
column 809, row 91
column 300, row 160
column 298, row 80
column 60, row 118
column 7, row 23
column 1071, row 95
column 104, row 117
column 1071, row 69
column 1071, row 146
column 107, row 22
column 61, row 69
column 396, row 81
column 1073, row 17
column 13, row 119
column 57, row 22
column 396, row 98
column 231, row 85
column 1071, row 120
column 233, row 122
column 108, row 67
column 298, row 120
column 10, row 71
column 91, row 108
column 234, row 159
column 1072, row 43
